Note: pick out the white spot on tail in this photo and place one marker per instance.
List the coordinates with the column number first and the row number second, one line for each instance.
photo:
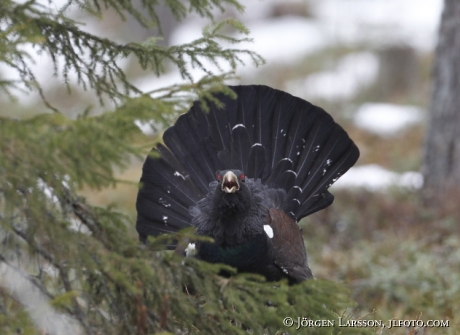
column 164, row 203
column 238, row 125
column 190, row 251
column 178, row 174
column 268, row 230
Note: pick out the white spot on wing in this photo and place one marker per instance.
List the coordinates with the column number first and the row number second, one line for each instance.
column 268, row 230
column 190, row 250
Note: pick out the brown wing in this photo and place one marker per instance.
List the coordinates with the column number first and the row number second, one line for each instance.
column 288, row 246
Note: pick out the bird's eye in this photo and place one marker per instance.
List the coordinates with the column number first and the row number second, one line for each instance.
column 242, row 177
column 219, row 178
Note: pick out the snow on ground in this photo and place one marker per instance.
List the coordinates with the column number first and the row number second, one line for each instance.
column 149, row 128
column 285, row 39
column 352, row 73
column 373, row 177
column 387, row 119
column 381, row 22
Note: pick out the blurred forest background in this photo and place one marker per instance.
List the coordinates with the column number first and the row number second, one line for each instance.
column 367, row 62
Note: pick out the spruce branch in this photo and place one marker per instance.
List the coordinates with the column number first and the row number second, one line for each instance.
column 95, row 60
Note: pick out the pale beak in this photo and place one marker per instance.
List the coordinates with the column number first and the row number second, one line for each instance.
column 230, row 183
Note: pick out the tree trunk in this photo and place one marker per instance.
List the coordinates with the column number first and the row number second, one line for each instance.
column 441, row 168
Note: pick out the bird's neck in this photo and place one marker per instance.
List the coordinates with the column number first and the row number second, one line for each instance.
column 229, row 222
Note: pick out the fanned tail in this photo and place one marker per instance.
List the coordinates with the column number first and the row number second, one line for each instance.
column 285, row 141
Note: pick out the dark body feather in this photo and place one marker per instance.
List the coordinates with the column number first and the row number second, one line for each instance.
column 286, row 152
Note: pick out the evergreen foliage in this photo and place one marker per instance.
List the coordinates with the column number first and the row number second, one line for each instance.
column 86, row 261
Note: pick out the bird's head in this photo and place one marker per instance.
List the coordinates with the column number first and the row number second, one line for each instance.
column 232, row 194
column 230, row 180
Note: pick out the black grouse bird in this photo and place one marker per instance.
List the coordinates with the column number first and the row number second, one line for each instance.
column 244, row 174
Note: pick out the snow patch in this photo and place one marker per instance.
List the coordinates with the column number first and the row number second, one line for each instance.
column 380, row 22
column 352, row 73
column 148, row 127
column 374, row 177
column 47, row 190
column 36, row 304
column 387, row 119
column 78, row 226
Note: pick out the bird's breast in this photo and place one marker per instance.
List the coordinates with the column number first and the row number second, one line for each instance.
column 241, row 256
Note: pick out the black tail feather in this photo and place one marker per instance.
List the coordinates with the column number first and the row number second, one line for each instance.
column 242, row 144
column 317, row 203
column 256, row 161
column 285, row 141
column 283, row 165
